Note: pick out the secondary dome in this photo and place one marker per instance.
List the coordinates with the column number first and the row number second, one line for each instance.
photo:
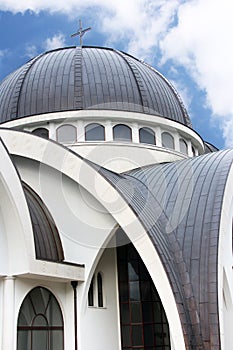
column 94, row 78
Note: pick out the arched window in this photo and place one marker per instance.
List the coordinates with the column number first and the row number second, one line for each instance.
column 183, row 146
column 168, row 140
column 147, row 135
column 66, row 134
column 91, row 293
column 144, row 324
column 94, row 132
column 100, row 290
column 95, row 292
column 122, row 132
column 42, row 132
column 40, row 322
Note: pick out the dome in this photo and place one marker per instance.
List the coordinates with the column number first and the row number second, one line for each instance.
column 94, row 78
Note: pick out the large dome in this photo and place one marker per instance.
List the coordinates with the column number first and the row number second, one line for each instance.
column 93, row 78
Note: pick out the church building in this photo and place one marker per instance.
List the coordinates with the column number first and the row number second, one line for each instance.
column 115, row 215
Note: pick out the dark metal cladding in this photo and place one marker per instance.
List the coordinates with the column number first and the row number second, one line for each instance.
column 48, row 245
column 88, row 78
column 180, row 204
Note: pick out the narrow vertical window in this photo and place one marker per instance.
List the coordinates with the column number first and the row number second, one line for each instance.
column 100, row 289
column 91, row 293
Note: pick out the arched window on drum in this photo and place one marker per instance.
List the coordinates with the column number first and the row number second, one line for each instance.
column 122, row 132
column 183, row 146
column 94, row 132
column 66, row 134
column 168, row 140
column 42, row 132
column 147, row 135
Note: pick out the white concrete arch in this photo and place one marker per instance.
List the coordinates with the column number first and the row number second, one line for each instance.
column 69, row 164
column 17, row 245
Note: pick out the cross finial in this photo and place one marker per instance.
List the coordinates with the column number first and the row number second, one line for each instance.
column 80, row 32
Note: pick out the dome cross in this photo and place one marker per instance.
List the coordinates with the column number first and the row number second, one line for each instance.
column 80, row 32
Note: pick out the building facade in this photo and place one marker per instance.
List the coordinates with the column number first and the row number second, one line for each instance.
column 115, row 215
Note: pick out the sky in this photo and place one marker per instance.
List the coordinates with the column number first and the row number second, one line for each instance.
column 188, row 41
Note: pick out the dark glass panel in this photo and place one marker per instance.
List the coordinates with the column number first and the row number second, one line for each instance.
column 159, row 335
column 124, row 292
column 137, row 336
column 53, row 313
column 147, row 309
column 147, row 135
column 148, row 335
column 40, row 299
column 40, row 340
column 134, row 292
column 157, row 312
column 125, row 316
column 133, row 271
column 125, row 332
column 23, row 340
column 136, row 314
column 56, row 340
column 122, row 266
column 146, row 290
column 122, row 132
column 94, row 132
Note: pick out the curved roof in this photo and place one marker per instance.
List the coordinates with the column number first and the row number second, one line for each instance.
column 75, row 78
column 180, row 204
column 48, row 245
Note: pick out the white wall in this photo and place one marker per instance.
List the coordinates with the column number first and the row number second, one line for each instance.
column 99, row 327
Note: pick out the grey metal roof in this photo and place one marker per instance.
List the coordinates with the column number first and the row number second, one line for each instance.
column 89, row 78
column 179, row 204
column 46, row 237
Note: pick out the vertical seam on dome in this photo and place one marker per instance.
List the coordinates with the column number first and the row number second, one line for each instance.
column 184, row 111
column 138, row 80
column 78, row 79
column 19, row 86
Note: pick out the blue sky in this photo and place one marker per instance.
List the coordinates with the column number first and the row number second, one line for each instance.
column 187, row 41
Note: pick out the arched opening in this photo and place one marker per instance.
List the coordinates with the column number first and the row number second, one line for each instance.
column 168, row 140
column 100, row 289
column 42, row 132
column 66, row 134
column 143, row 320
column 122, row 132
column 40, row 322
column 94, row 132
column 147, row 135
column 183, row 146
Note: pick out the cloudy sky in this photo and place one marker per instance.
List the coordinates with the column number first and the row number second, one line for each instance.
column 190, row 42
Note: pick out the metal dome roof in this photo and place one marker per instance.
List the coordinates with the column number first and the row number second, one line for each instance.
column 75, row 78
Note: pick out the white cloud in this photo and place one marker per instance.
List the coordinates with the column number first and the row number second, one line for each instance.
column 195, row 34
column 202, row 42
column 31, row 51
column 55, row 42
